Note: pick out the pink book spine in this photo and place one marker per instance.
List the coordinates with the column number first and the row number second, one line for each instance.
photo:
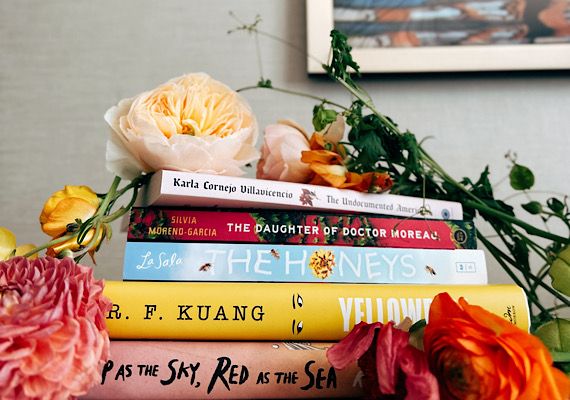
column 196, row 370
column 290, row 227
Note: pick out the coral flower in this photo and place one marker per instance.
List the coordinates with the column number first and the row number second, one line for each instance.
column 392, row 368
column 53, row 339
column 62, row 210
column 191, row 123
column 478, row 355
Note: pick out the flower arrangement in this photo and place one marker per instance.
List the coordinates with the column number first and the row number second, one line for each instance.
column 468, row 353
column 195, row 123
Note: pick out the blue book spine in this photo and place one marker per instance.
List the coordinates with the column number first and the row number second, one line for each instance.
column 228, row 262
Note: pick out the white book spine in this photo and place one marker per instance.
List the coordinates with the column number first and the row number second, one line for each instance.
column 174, row 188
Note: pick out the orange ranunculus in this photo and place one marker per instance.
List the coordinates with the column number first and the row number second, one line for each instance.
column 326, row 160
column 328, row 175
column 63, row 208
column 478, row 355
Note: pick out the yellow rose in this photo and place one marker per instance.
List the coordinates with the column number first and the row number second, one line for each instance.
column 63, row 208
column 192, row 123
column 8, row 246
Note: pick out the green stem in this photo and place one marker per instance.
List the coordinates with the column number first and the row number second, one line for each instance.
column 525, row 267
column 109, row 197
column 555, row 308
column 484, row 209
column 123, row 210
column 537, row 249
column 531, row 296
column 434, row 166
column 500, row 256
column 294, row 93
column 517, row 194
column 50, row 244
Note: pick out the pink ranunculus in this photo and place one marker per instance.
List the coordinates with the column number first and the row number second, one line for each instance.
column 281, row 153
column 53, row 338
column 392, row 368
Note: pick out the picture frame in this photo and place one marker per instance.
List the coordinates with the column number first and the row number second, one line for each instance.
column 450, row 58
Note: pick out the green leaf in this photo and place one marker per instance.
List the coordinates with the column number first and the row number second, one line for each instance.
column 341, row 60
column 560, row 271
column 322, row 117
column 534, row 207
column 561, row 356
column 521, row 177
column 265, row 83
column 555, row 335
column 421, row 324
column 416, row 338
column 555, row 205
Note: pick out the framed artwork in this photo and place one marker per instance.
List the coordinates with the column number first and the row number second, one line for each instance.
column 401, row 36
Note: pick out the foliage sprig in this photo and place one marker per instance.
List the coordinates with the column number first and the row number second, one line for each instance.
column 376, row 143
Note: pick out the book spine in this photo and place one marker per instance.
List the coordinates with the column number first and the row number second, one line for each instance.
column 188, row 225
column 218, row 370
column 232, row 262
column 283, row 311
column 174, row 188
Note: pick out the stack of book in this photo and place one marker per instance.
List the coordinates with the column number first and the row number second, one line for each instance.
column 235, row 287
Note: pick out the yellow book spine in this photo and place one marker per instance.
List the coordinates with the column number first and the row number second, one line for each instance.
column 283, row 311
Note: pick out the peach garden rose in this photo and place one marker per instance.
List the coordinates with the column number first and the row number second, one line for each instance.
column 191, row 123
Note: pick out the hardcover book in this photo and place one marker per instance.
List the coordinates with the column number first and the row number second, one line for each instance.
column 283, row 311
column 231, row 262
column 221, row 370
column 175, row 188
column 297, row 227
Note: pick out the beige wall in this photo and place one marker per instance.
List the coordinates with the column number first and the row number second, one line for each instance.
column 64, row 62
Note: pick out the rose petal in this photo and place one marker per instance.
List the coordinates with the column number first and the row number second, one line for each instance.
column 353, row 346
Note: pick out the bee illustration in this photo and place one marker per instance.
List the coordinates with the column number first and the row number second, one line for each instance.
column 205, row 267
column 430, row 270
column 275, row 254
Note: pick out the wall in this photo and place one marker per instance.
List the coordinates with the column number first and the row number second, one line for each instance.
column 63, row 63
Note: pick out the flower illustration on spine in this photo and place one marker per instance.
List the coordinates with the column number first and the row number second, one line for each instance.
column 192, row 123
column 322, row 263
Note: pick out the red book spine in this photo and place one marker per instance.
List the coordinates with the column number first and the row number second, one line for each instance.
column 197, row 370
column 290, row 227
